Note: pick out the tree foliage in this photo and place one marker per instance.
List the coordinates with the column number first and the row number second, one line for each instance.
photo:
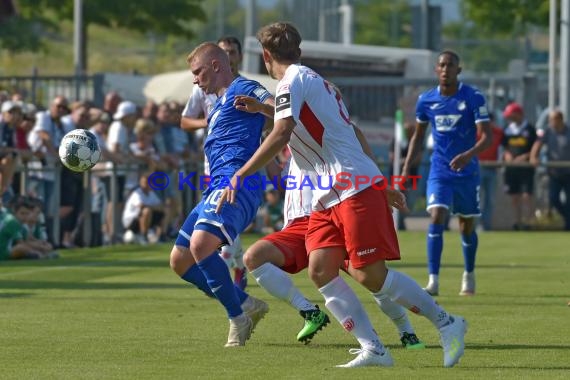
column 507, row 16
column 383, row 23
column 167, row 17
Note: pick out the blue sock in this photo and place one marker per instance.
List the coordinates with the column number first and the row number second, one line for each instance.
column 195, row 276
column 434, row 247
column 218, row 277
column 469, row 245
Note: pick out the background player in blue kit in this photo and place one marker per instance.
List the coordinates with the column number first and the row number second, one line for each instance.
column 454, row 111
column 233, row 137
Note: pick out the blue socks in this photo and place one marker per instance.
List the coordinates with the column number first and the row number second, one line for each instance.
column 218, row 279
column 195, row 276
column 469, row 244
column 434, row 247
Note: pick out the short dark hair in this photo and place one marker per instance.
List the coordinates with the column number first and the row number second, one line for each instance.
column 282, row 40
column 231, row 40
column 451, row 53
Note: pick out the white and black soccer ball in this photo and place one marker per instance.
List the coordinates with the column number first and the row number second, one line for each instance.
column 79, row 150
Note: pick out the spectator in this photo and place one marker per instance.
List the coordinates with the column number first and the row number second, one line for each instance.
column 488, row 174
column 118, row 141
column 35, row 233
column 143, row 217
column 44, row 140
column 111, row 103
column 72, row 182
column 149, row 111
column 519, row 136
column 556, row 139
column 11, row 119
column 142, row 148
column 12, row 242
column 414, row 166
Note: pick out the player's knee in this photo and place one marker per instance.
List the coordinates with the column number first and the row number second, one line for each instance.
column 252, row 258
column 180, row 260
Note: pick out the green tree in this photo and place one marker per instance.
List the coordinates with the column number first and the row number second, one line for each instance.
column 165, row 17
column 383, row 23
column 507, row 16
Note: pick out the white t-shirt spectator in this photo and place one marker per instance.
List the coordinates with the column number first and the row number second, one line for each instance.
column 136, row 201
column 118, row 134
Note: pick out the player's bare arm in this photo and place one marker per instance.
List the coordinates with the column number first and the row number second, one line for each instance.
column 415, row 147
column 190, row 124
column 270, row 147
column 461, row 160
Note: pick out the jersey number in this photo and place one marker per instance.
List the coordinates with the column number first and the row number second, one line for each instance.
column 338, row 98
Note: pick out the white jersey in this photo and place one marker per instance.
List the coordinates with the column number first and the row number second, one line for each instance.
column 200, row 104
column 298, row 199
column 323, row 141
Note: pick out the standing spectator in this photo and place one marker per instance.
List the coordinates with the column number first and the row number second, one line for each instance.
column 556, row 139
column 11, row 119
column 111, row 103
column 489, row 174
column 44, row 140
column 519, row 136
column 118, row 141
column 71, row 182
column 149, row 111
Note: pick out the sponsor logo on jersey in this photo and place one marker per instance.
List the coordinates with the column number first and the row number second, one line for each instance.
column 444, row 123
column 282, row 102
column 436, row 106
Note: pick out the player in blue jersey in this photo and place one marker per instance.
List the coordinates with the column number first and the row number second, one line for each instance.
column 233, row 137
column 454, row 111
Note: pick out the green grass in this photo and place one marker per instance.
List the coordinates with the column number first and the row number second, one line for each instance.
column 119, row 313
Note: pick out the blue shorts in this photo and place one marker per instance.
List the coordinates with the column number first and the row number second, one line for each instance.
column 232, row 220
column 459, row 195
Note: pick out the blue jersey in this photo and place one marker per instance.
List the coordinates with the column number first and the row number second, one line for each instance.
column 233, row 135
column 453, row 120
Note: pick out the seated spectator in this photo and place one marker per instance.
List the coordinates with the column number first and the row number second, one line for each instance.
column 35, row 233
column 272, row 211
column 143, row 217
column 13, row 244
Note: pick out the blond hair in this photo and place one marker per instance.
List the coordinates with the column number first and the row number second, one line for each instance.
column 208, row 51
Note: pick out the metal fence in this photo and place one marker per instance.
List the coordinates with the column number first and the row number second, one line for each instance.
column 41, row 89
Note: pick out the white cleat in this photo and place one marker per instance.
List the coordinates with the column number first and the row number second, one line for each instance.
column 240, row 331
column 367, row 358
column 453, row 340
column 255, row 309
column 468, row 284
column 432, row 289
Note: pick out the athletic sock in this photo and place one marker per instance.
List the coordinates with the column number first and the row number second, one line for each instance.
column 218, row 277
column 347, row 309
column 395, row 312
column 434, row 247
column 469, row 245
column 195, row 276
column 406, row 292
column 277, row 283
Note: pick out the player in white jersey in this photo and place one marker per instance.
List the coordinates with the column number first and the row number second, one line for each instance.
column 273, row 256
column 347, row 219
column 193, row 119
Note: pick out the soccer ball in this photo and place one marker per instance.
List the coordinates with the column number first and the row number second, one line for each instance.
column 79, row 150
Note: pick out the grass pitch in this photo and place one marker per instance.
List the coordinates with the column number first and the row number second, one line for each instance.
column 120, row 313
